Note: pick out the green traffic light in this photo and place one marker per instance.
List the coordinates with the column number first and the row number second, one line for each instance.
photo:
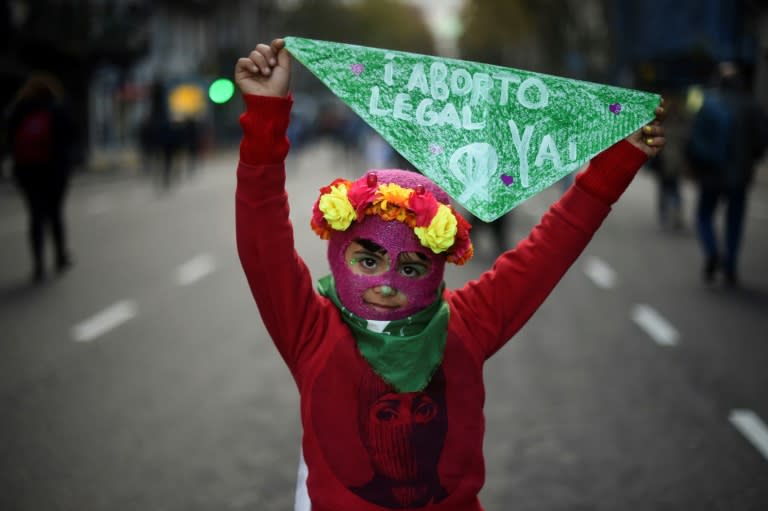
column 221, row 90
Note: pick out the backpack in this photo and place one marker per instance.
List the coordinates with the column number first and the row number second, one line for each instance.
column 33, row 142
column 709, row 145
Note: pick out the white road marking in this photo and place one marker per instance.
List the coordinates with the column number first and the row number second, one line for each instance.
column 111, row 317
column 749, row 424
column 600, row 273
column 194, row 269
column 658, row 328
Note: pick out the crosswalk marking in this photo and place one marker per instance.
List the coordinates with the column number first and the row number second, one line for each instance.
column 653, row 324
column 600, row 273
column 104, row 321
column 753, row 428
column 195, row 269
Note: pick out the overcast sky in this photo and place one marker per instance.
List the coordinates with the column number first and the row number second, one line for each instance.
column 442, row 16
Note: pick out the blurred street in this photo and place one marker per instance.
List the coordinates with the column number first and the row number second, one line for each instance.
column 143, row 378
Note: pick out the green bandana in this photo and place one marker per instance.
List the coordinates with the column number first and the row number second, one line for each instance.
column 408, row 351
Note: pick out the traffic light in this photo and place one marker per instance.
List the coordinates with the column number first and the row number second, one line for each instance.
column 187, row 100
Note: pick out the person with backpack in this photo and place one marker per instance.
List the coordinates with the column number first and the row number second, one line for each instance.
column 727, row 138
column 40, row 133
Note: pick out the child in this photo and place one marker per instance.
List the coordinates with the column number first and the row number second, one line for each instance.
column 387, row 361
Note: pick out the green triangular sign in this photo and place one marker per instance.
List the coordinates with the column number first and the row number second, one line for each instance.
column 490, row 136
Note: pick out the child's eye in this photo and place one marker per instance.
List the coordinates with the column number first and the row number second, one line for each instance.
column 413, row 270
column 369, row 263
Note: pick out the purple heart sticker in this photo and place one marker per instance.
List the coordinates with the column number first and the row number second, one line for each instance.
column 435, row 148
column 615, row 108
column 507, row 180
column 357, row 69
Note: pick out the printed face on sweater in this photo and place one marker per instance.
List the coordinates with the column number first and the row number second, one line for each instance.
column 381, row 270
column 391, row 449
column 403, row 434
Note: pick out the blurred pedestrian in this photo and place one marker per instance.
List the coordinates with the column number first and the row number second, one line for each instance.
column 377, row 152
column 669, row 199
column 42, row 142
column 727, row 138
column 388, row 361
column 161, row 139
column 191, row 137
column 499, row 231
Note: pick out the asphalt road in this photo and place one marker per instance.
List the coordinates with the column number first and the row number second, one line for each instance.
column 144, row 379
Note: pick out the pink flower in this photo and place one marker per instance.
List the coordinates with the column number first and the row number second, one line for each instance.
column 361, row 195
column 317, row 216
column 424, row 206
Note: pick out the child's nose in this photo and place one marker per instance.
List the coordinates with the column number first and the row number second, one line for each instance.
column 386, row 290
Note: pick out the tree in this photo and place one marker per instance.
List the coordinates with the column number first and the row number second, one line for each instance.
column 547, row 36
column 379, row 23
column 493, row 30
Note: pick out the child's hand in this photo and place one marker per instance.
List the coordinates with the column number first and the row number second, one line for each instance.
column 650, row 138
column 266, row 71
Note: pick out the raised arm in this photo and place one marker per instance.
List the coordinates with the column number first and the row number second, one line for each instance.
column 277, row 276
column 500, row 302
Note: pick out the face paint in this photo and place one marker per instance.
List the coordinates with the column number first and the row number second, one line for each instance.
column 394, row 237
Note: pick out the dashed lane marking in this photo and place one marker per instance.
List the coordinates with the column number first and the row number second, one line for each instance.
column 600, row 273
column 106, row 320
column 753, row 428
column 195, row 269
column 653, row 324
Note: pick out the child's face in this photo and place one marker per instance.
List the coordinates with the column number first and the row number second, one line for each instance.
column 382, row 271
column 366, row 258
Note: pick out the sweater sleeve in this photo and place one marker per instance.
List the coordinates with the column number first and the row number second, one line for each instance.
column 495, row 306
column 610, row 172
column 264, row 123
column 278, row 278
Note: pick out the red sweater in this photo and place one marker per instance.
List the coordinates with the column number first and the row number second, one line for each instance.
column 368, row 448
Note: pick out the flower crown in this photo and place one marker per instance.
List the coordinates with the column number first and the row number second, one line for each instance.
column 437, row 226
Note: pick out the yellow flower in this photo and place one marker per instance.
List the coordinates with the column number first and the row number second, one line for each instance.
column 439, row 235
column 392, row 194
column 336, row 208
